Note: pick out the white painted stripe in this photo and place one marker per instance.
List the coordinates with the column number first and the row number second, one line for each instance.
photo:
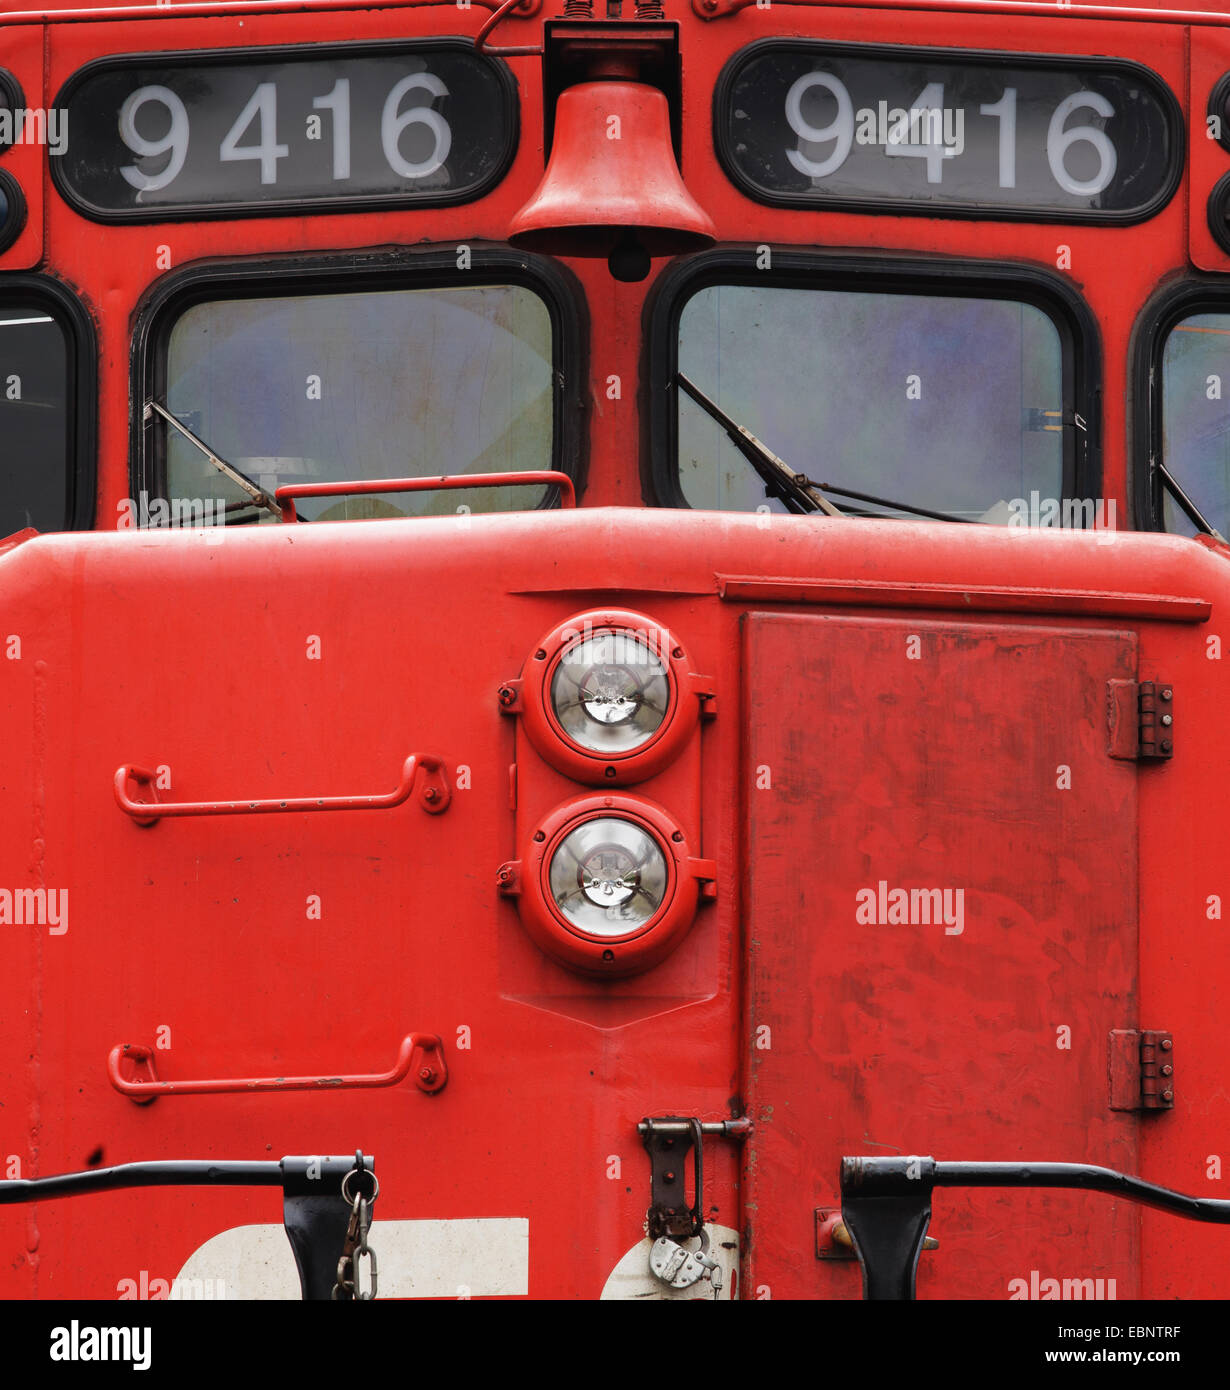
column 483, row 1257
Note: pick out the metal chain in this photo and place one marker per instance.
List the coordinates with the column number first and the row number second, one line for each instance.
column 355, row 1248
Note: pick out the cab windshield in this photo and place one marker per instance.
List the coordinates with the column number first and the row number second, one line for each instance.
column 346, row 387
column 950, row 404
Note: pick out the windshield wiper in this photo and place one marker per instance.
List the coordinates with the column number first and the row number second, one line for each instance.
column 796, row 490
column 260, row 498
column 779, row 478
column 1194, row 514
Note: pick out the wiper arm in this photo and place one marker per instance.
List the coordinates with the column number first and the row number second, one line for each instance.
column 796, row 490
column 260, row 498
column 779, row 478
column 1194, row 514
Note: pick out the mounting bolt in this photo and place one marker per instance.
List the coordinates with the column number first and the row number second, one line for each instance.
column 431, row 794
column 1167, row 1070
column 508, row 696
column 1167, row 693
column 1168, row 1095
column 1167, row 719
column 1166, row 745
column 427, row 1075
column 1166, row 1044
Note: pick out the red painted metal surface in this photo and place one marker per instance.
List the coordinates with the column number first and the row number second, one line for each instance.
column 296, row 938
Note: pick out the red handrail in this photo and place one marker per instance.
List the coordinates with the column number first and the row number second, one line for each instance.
column 286, row 495
column 435, row 796
column 432, row 1074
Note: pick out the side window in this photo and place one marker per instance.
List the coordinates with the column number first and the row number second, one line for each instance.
column 1194, row 408
column 936, row 402
column 346, row 386
column 39, row 415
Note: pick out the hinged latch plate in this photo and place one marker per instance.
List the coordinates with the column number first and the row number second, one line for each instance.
column 1141, row 1069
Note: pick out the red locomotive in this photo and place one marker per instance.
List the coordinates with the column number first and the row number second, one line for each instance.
column 618, row 613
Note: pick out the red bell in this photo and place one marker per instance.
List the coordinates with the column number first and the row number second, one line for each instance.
column 612, row 174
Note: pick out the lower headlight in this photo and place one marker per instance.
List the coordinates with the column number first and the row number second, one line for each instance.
column 607, row 884
column 608, row 877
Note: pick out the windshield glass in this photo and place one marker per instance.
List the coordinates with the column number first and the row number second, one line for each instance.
column 950, row 404
column 1196, row 420
column 387, row 384
column 34, row 420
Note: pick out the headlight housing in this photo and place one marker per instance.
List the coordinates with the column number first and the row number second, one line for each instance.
column 607, row 884
column 608, row 697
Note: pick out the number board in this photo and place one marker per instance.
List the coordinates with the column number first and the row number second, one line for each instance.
column 948, row 133
column 158, row 137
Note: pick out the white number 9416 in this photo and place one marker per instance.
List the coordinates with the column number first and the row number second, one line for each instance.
column 254, row 133
column 811, row 159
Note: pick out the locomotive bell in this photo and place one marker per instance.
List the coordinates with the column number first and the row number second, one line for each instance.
column 612, row 183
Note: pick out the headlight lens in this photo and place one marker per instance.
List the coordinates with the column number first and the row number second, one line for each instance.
column 610, row 692
column 608, row 876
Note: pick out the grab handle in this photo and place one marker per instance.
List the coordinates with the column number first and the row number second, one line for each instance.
column 432, row 1074
column 285, row 496
column 433, row 798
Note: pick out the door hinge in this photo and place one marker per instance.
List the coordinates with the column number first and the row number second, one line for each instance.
column 1141, row 1069
column 1140, row 715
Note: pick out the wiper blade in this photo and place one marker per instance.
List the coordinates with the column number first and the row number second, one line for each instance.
column 260, row 498
column 1194, row 514
column 779, row 478
column 795, row 489
column 897, row 506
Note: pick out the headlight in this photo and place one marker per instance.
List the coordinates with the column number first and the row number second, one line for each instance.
column 610, row 692
column 608, row 697
column 608, row 877
column 607, row 885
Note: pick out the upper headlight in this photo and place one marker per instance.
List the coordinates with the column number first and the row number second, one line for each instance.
column 608, row 697
column 610, row 691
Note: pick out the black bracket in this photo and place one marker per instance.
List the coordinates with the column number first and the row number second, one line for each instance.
column 667, row 1142
column 886, row 1205
column 315, row 1213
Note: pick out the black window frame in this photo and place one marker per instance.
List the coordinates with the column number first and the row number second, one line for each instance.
column 81, row 388
column 1173, row 303
column 272, row 277
column 792, row 268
